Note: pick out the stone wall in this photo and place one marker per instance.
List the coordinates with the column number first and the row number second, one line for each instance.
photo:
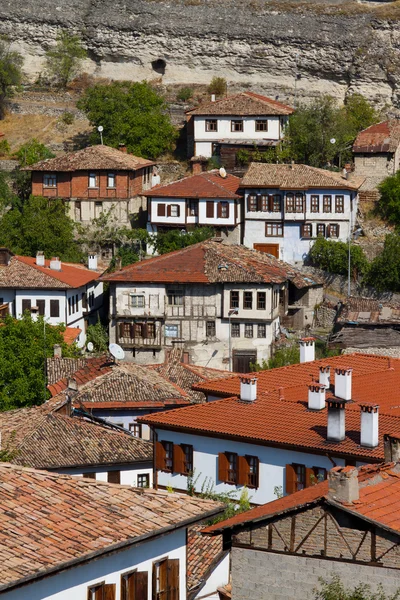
column 393, row 352
column 325, row 316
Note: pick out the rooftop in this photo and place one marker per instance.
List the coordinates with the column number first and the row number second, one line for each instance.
column 59, row 368
column 296, row 177
column 382, row 137
column 242, row 104
column 201, row 263
column 368, row 311
column 209, row 184
column 202, row 554
column 49, row 520
column 93, row 157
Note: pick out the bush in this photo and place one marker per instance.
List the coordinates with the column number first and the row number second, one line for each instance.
column 64, row 60
column 32, row 152
column 334, row 257
column 184, row 94
column 218, row 86
column 335, row 590
column 384, row 272
column 4, row 148
column 388, row 205
column 67, row 118
column 98, row 335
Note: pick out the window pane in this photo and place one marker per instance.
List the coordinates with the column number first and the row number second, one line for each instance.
column 339, row 204
column 92, row 180
column 111, row 180
column 327, row 203
column 261, row 300
column 171, row 331
column 143, row 480
column 248, row 330
column 235, row 329
column 248, row 300
column 234, row 299
column 210, row 329
column 262, row 125
column 314, row 204
column 211, row 125
column 261, row 330
column 237, row 125
column 252, row 203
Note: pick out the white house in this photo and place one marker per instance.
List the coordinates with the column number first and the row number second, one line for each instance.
column 244, row 120
column 63, row 293
column 221, row 302
column 74, row 538
column 281, row 430
column 286, row 207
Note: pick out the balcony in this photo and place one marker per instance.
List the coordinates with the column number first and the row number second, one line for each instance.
column 139, row 334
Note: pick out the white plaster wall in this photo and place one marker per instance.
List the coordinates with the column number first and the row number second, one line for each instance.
column 224, row 129
column 128, row 473
column 73, row 584
column 125, row 418
column 181, row 202
column 154, row 299
column 183, row 220
column 46, row 295
column 218, row 578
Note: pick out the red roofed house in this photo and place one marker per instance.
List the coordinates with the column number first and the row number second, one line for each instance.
column 376, row 150
column 244, row 120
column 279, row 431
column 64, row 293
column 221, row 302
column 347, row 527
column 208, row 198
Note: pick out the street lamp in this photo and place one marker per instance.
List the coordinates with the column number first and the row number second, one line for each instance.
column 232, row 311
column 352, row 235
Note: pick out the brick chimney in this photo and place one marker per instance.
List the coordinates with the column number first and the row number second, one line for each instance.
column 325, row 376
column 307, row 349
column 343, row 378
column 343, row 484
column 392, row 448
column 369, row 437
column 316, row 396
column 123, row 148
column 336, row 431
column 199, row 164
column 248, row 389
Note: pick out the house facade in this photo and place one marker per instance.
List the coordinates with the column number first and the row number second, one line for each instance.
column 63, row 293
column 220, row 302
column 242, row 121
column 93, row 181
column 376, row 151
column 286, row 207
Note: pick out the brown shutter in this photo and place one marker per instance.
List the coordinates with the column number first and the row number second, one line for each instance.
column 210, row 210
column 41, row 304
column 227, row 210
column 141, row 585
column 242, row 470
column 132, row 329
column 168, row 210
column 259, row 202
column 248, row 203
column 173, row 579
column 120, row 330
column 310, row 477
column 178, row 210
column 109, row 591
column 114, row 477
column 145, row 331
column 54, row 308
column 219, row 210
column 26, row 305
column 302, row 230
column 328, row 231
column 338, row 229
column 160, row 210
column 291, row 479
column 222, row 467
column 270, row 203
column 160, row 456
column 179, row 459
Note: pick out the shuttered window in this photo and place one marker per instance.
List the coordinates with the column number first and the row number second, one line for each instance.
column 164, row 456
column 166, row 580
column 339, row 204
column 251, row 203
column 114, row 477
column 299, row 477
column 102, row 591
column 227, row 467
column 327, row 204
column 54, row 308
column 223, row 210
column 234, row 299
column 276, row 203
column 261, row 301
column 314, row 204
column 160, row 210
column 41, row 306
column 183, row 459
column 306, row 230
column 210, row 210
column 320, row 230
column 134, row 586
column 333, row 230
column 248, row 471
column 26, row 305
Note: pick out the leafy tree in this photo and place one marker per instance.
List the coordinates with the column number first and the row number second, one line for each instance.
column 176, row 239
column 132, row 114
column 334, row 257
column 10, row 73
column 184, row 94
column 335, row 590
column 218, row 86
column 388, row 205
column 7, row 198
column 384, row 272
column 24, row 344
column 288, row 355
column 63, row 62
column 98, row 335
column 40, row 225
column 32, row 152
column 359, row 113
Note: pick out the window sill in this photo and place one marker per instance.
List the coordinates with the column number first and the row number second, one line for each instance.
column 108, row 188
column 93, row 188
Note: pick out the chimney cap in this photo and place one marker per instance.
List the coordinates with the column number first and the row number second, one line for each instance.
column 315, row 385
column 369, row 407
column 246, row 379
column 343, row 370
column 335, row 402
column 325, row 368
column 307, row 340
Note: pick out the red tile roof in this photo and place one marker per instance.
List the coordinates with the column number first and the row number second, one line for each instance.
column 71, row 274
column 382, row 137
column 242, row 104
column 71, row 334
column 202, row 554
column 201, row 263
column 204, row 185
column 93, row 367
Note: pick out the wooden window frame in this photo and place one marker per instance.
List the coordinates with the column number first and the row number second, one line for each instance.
column 319, row 233
column 234, row 303
column 147, row 478
column 235, row 330
column 175, row 297
column 26, row 304
column 247, row 300
column 339, row 204
column 223, row 209
column 303, row 231
column 261, row 125
column 274, row 228
column 183, row 459
column 172, row 567
column 333, row 227
column 54, row 308
column 173, row 208
column 261, row 330
column 261, row 300
column 50, row 180
column 299, row 203
column 276, row 203
column 237, row 125
column 135, row 300
column 290, row 203
column 161, row 209
column 210, row 329
column 114, row 475
column 136, row 429
column 41, row 304
column 327, row 203
column 113, row 177
column 96, row 587
column 252, row 203
column 96, row 180
column 249, row 331
column 211, row 125
column 132, row 593
column 314, row 203
column 192, row 208
column 210, row 209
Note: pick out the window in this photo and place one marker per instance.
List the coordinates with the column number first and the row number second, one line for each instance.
column 223, row 210
column 300, row 472
column 183, row 459
column 327, row 204
column 248, row 330
column 175, row 297
column 274, row 229
column 252, row 471
column 234, row 299
column 54, row 308
column 89, row 475
column 92, row 180
column 166, row 580
column 150, row 330
column 134, row 585
column 261, row 301
column 333, row 230
column 210, row 209
column 41, row 306
column 143, row 480
column 261, row 330
column 98, row 208
column 171, row 331
column 146, row 175
column 111, row 180
column 164, row 456
column 276, row 203
column 264, row 203
column 78, row 210
column 319, row 474
column 299, row 477
column 192, row 208
column 262, row 125
column 114, row 477
column 235, row 329
column 96, row 592
column 50, row 180
column 125, row 330
column 137, row 301
column 136, row 429
column 160, row 210
column 314, row 204
column 248, row 300
column 339, row 204
column 26, row 305
column 276, row 297
column 174, row 210
column 84, row 300
column 299, row 203
column 211, row 125
column 210, row 329
column 236, row 125
column 289, row 203
column 252, row 203
column 306, row 230
column 227, row 467
column 320, row 230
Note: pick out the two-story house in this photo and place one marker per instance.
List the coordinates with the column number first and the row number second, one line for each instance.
column 244, row 120
column 221, row 302
column 376, row 152
column 286, row 207
column 63, row 293
column 280, row 430
column 94, row 180
column 206, row 199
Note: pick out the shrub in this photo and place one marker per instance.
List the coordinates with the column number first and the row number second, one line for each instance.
column 218, row 86
column 184, row 94
column 67, row 118
column 4, row 148
column 334, row 257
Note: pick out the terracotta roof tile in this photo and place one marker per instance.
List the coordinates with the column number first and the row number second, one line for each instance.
column 86, row 370
column 382, row 137
column 204, row 185
column 242, row 104
column 59, row 368
column 71, row 334
column 202, row 553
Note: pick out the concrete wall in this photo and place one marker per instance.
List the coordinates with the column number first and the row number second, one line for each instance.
column 375, row 165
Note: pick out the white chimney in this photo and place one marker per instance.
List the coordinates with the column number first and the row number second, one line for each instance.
column 325, row 376
column 57, row 351
column 343, row 484
column 92, row 262
column 336, row 420
column 343, row 379
column 55, row 263
column 316, row 396
column 369, row 425
column 307, row 349
column 248, row 389
column 40, row 259
column 212, row 97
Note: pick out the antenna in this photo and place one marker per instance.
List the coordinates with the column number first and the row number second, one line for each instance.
column 116, row 351
column 90, row 347
column 100, row 129
column 222, row 172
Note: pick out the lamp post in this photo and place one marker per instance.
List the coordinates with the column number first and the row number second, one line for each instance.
column 352, row 234
column 232, row 311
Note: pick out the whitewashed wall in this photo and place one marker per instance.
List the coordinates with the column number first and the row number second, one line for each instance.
column 201, row 219
column 217, row 579
column 128, row 473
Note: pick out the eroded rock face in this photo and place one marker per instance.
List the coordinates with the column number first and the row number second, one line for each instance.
column 189, row 41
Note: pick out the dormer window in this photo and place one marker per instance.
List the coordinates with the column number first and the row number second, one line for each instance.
column 237, row 125
column 50, row 180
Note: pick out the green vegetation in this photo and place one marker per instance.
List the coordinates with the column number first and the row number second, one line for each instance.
column 335, row 590
column 67, row 118
column 4, row 148
column 290, row 355
column 98, row 335
column 218, row 86
column 24, row 344
column 184, row 94
column 32, row 152
column 63, row 62
column 333, row 256
column 132, row 114
column 388, row 205
column 10, row 73
column 176, row 239
column 384, row 271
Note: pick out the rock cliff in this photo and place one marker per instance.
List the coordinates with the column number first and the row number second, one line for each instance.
column 339, row 48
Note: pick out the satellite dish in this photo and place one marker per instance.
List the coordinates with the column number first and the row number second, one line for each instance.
column 332, row 141
column 90, row 347
column 100, row 128
column 116, row 351
column 222, row 172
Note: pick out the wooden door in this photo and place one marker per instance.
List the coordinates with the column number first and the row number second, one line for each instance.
column 242, row 360
column 268, row 249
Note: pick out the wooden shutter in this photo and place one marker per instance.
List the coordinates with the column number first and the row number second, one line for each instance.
column 54, row 308
column 109, row 591
column 302, row 230
column 219, row 210
column 160, row 456
column 140, row 586
column 168, row 210
column 210, row 210
column 114, row 477
column 337, row 229
column 41, row 306
column 145, row 331
column 120, row 330
column 291, row 479
column 223, row 466
column 227, row 210
column 179, row 459
column 259, row 202
column 160, row 210
column 26, row 305
column 242, row 470
column 178, row 210
column 310, row 477
column 328, row 231
column 249, row 203
column 270, row 203
column 173, row 579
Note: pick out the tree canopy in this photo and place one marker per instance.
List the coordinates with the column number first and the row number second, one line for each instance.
column 63, row 62
column 175, row 239
column 384, row 271
column 32, row 152
column 333, row 256
column 132, row 114
column 388, row 205
column 10, row 73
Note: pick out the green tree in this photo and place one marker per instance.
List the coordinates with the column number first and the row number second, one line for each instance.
column 334, row 257
column 63, row 62
column 335, row 590
column 32, row 152
column 218, row 86
column 24, row 345
column 384, row 272
column 176, row 239
column 98, row 335
column 132, row 114
column 288, row 355
column 7, row 198
column 10, row 73
column 388, row 205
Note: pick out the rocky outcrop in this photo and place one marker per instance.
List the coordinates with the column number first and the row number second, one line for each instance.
column 339, row 49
